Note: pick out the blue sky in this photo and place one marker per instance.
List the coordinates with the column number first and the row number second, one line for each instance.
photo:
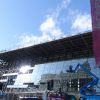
column 28, row 22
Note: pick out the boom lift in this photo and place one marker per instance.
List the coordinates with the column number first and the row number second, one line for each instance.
column 85, row 91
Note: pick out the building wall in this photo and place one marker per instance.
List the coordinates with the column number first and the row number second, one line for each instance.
column 42, row 73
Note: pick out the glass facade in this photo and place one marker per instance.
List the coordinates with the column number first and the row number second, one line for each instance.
column 50, row 69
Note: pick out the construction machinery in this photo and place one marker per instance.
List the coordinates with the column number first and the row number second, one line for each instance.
column 87, row 91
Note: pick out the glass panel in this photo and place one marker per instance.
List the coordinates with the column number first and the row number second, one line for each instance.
column 46, row 68
column 55, row 68
column 66, row 66
column 59, row 67
column 39, row 73
column 92, row 62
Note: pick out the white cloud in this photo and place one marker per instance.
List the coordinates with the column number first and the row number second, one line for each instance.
column 49, row 27
column 28, row 40
column 49, row 32
column 63, row 5
column 81, row 23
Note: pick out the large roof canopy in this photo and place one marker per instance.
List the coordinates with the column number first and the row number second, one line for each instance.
column 78, row 46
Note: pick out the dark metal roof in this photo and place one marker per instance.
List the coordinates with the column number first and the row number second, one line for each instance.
column 67, row 48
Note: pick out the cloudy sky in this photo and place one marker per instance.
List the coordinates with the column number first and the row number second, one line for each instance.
column 29, row 22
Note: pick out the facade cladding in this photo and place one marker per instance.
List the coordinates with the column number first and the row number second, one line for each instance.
column 50, row 70
column 54, row 75
column 52, row 65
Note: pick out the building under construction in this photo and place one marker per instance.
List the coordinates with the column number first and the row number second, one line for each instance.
column 49, row 66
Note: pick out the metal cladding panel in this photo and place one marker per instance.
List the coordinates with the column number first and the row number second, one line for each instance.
column 95, row 12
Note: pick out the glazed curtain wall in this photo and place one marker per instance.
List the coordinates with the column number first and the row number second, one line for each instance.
column 56, row 68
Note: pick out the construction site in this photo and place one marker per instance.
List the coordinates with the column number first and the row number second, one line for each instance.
column 61, row 69
column 48, row 69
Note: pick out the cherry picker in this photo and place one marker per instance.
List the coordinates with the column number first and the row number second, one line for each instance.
column 87, row 91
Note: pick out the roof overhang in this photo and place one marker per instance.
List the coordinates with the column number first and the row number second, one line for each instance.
column 73, row 47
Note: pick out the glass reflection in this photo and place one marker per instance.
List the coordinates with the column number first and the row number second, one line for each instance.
column 51, row 70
